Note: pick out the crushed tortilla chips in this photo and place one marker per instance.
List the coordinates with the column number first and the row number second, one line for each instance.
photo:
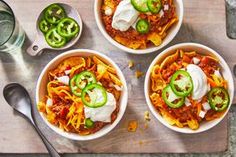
column 132, row 126
column 138, row 74
column 131, row 64
column 147, row 116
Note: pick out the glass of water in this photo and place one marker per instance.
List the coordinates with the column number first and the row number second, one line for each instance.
column 12, row 35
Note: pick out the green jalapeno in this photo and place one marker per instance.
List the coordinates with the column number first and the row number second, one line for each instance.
column 154, row 6
column 45, row 26
column 218, row 98
column 85, row 78
column 171, row 99
column 54, row 13
column 68, row 27
column 140, row 5
column 73, row 87
column 181, row 83
column 142, row 26
column 89, row 123
column 94, row 96
column 54, row 39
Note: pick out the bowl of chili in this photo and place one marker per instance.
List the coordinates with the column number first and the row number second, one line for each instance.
column 80, row 88
column 170, row 88
column 153, row 29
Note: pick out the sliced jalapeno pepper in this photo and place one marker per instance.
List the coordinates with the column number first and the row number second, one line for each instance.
column 171, row 99
column 154, row 6
column 140, row 5
column 181, row 83
column 54, row 13
column 85, row 78
column 89, row 123
column 54, row 39
column 142, row 26
column 218, row 98
column 45, row 26
column 68, row 27
column 73, row 87
column 94, row 95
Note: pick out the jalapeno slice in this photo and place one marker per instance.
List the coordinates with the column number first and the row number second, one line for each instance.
column 45, row 26
column 68, row 27
column 140, row 5
column 218, row 98
column 181, row 83
column 154, row 6
column 94, row 96
column 54, row 39
column 171, row 99
column 142, row 26
column 89, row 123
column 85, row 78
column 73, row 87
column 54, row 13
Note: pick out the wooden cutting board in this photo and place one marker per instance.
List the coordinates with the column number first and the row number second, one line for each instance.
column 204, row 22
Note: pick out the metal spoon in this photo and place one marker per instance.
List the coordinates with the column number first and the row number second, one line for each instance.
column 19, row 99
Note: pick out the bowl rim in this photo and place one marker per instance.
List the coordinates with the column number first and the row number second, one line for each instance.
column 147, row 80
column 139, row 51
column 123, row 100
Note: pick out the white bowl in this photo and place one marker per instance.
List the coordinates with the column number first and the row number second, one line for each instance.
column 170, row 35
column 202, row 50
column 43, row 80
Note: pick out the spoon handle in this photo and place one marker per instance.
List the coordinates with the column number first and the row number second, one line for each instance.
column 51, row 150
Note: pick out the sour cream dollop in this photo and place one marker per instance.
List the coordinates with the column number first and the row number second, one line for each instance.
column 103, row 113
column 199, row 81
column 124, row 16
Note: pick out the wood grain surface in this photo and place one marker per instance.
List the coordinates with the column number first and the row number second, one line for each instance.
column 204, row 22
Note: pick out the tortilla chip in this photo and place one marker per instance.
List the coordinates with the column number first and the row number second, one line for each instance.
column 132, row 126
column 115, row 79
column 101, row 70
column 168, row 25
column 155, row 38
column 189, row 54
column 193, row 124
column 170, row 59
column 72, row 61
column 137, row 44
column 109, row 68
column 157, row 81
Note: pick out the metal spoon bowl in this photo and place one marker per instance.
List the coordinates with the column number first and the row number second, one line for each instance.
column 18, row 98
column 40, row 43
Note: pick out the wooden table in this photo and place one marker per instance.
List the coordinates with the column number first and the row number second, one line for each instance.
column 204, row 22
